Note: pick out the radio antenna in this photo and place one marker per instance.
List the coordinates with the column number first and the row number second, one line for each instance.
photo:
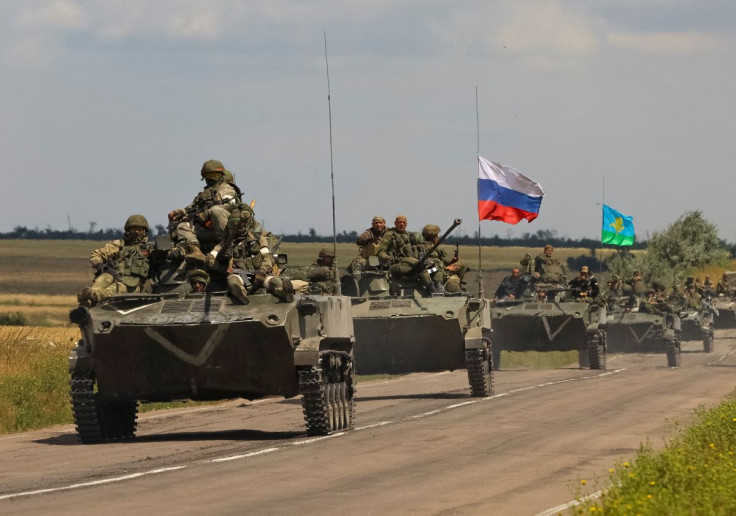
column 481, row 292
column 332, row 175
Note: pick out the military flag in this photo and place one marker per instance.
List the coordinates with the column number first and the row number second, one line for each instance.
column 618, row 229
column 506, row 194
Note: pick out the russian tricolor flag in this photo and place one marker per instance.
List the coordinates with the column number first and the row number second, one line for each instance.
column 505, row 194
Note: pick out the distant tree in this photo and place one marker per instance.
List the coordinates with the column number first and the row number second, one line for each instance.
column 690, row 242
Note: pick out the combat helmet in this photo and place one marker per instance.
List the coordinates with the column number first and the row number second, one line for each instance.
column 242, row 216
column 212, row 165
column 326, row 253
column 136, row 220
column 430, row 231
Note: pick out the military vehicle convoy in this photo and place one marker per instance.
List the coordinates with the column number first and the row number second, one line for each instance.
column 548, row 318
column 206, row 346
column 399, row 328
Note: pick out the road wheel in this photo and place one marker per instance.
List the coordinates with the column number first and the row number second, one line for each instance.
column 708, row 343
column 597, row 350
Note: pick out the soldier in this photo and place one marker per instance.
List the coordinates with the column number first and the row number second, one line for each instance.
column 692, row 295
column 546, row 268
column 371, row 237
column 122, row 265
column 512, row 287
column 398, row 243
column 368, row 243
column 198, row 280
column 319, row 275
column 656, row 303
column 585, row 285
column 243, row 257
column 613, row 293
column 723, row 288
column 678, row 298
column 203, row 222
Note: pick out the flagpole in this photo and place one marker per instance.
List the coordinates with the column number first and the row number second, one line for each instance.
column 603, row 203
column 481, row 292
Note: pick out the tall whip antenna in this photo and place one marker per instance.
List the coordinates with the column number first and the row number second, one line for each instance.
column 477, row 160
column 332, row 175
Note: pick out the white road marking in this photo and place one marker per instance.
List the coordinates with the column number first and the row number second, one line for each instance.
column 560, row 508
column 93, row 483
column 244, row 455
column 722, row 357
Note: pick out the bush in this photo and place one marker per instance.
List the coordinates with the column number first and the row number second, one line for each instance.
column 12, row 319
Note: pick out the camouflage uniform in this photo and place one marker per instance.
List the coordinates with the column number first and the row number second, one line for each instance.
column 613, row 294
column 244, row 254
column 370, row 239
column 656, row 303
column 547, row 269
column 206, row 216
column 122, row 265
column 320, row 275
column 723, row 288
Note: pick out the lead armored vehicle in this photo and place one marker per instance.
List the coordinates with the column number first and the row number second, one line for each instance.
column 206, row 346
column 399, row 328
column 548, row 318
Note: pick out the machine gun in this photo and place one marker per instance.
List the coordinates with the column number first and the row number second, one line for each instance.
column 425, row 256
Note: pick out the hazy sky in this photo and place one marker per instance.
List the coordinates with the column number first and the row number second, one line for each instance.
column 110, row 107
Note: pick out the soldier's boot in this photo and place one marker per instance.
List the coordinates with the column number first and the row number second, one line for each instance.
column 239, row 293
column 194, row 257
column 282, row 288
column 437, row 288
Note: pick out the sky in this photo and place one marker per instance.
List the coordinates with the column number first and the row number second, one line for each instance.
column 110, row 107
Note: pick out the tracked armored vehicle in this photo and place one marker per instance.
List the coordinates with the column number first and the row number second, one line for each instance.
column 206, row 346
column 634, row 331
column 399, row 328
column 548, row 318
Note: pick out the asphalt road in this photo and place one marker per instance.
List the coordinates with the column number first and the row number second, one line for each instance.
column 422, row 446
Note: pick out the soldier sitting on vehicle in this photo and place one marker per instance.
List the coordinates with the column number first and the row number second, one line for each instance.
column 368, row 243
column 613, row 295
column 547, row 269
column 512, row 287
column 243, row 257
column 655, row 302
column 317, row 278
column 202, row 224
column 723, row 288
column 122, row 266
column 585, row 286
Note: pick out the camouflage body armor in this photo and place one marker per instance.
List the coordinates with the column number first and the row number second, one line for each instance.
column 132, row 266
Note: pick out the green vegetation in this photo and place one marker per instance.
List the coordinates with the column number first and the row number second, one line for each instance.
column 538, row 360
column 689, row 244
column 694, row 474
column 12, row 319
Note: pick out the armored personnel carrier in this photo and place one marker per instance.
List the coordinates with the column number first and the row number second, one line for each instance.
column 634, row 331
column 399, row 328
column 206, row 346
column 548, row 318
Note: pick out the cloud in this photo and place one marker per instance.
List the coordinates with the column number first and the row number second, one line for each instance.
column 54, row 15
column 674, row 43
column 194, row 26
column 539, row 29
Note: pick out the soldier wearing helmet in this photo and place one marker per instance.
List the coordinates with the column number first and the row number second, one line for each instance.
column 245, row 260
column 121, row 266
column 319, row 276
column 585, row 285
column 202, row 224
